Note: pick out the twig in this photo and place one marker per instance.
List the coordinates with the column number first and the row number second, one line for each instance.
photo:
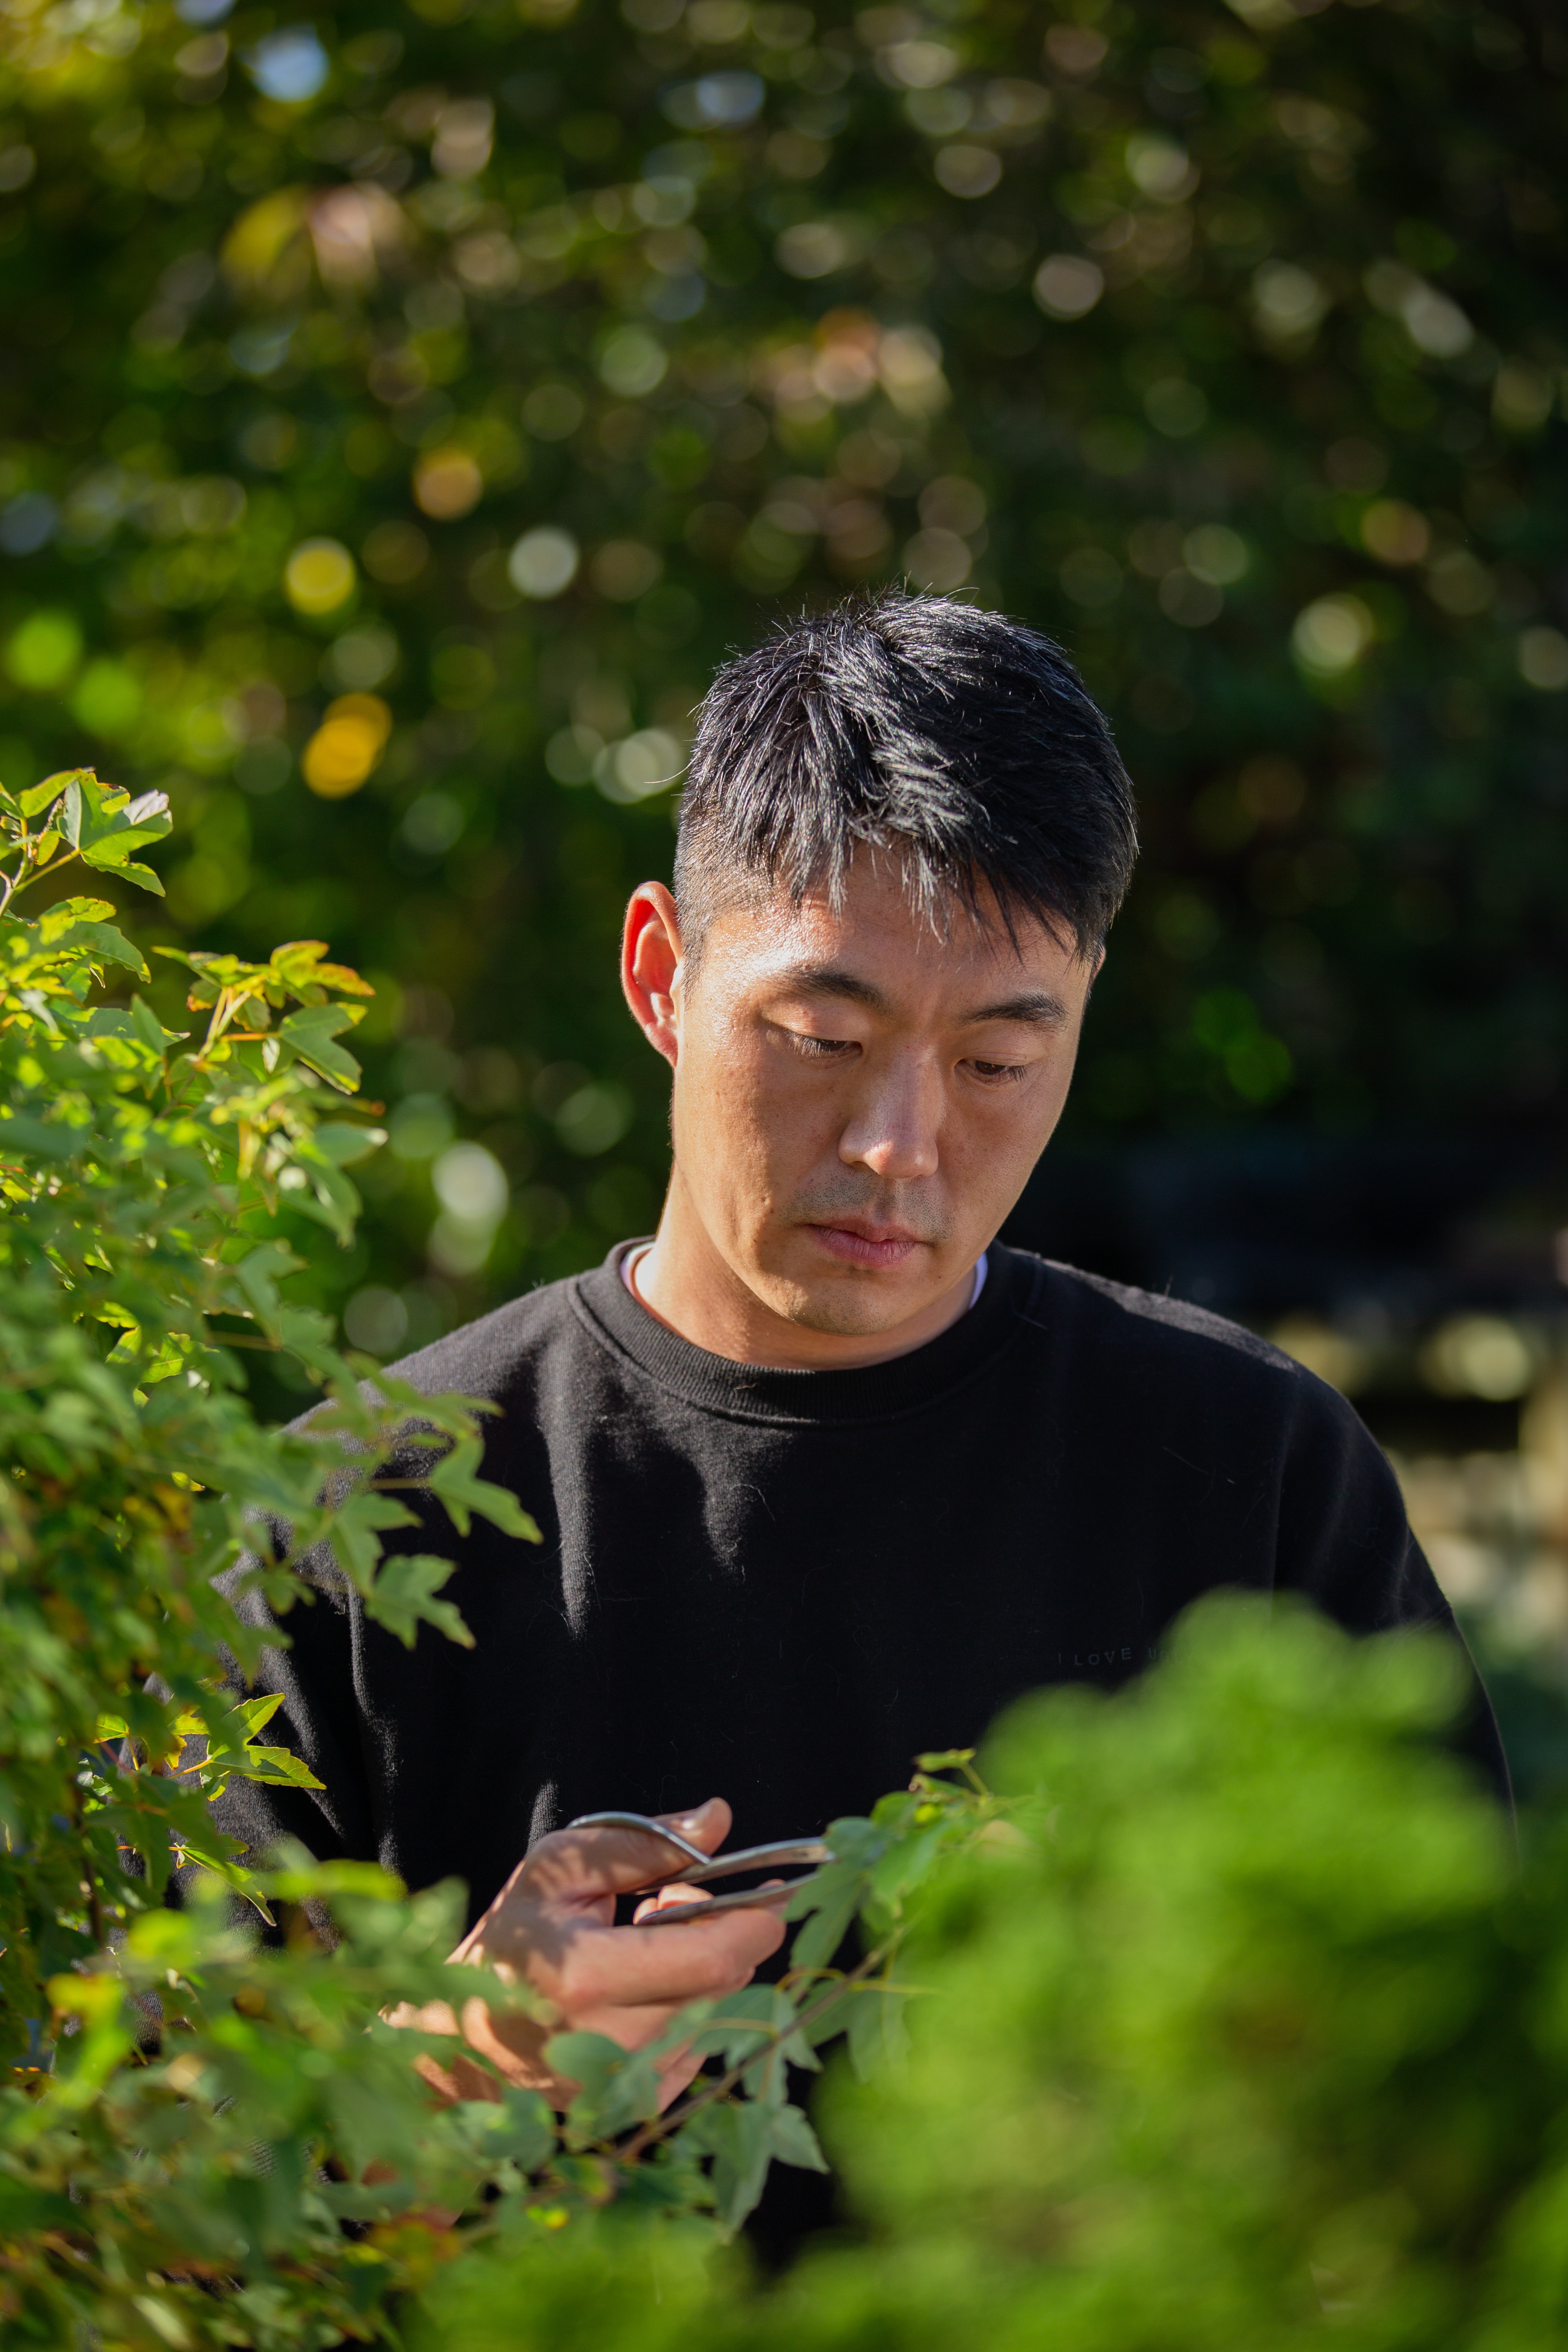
column 659, row 2128
column 16, row 883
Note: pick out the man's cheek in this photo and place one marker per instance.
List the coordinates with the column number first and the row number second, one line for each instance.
column 761, row 1101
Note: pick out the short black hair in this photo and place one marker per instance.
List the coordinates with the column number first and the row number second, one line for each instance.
column 957, row 740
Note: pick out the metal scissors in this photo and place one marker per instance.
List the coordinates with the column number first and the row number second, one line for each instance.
column 701, row 1867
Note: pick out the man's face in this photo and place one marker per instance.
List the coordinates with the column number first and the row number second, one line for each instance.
column 858, row 1101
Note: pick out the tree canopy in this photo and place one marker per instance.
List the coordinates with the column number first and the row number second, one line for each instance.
column 408, row 406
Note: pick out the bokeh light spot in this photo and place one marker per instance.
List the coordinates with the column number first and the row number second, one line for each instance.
column 544, row 562
column 346, row 746
column 318, row 576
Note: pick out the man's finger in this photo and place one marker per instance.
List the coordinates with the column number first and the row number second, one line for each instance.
column 459, row 2079
column 670, row 1898
column 707, row 1824
column 630, row 1966
column 579, row 1866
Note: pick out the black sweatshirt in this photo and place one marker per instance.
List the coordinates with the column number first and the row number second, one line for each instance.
column 778, row 1586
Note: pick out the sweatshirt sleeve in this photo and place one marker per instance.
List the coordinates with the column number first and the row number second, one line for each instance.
column 319, row 1722
column 1345, row 1542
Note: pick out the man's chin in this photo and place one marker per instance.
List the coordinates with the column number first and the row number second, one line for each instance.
column 848, row 1306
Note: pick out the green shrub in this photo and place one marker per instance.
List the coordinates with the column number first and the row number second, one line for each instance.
column 1235, row 2020
column 192, row 2118
column 1258, row 2036
column 1254, row 2035
column 1257, row 2033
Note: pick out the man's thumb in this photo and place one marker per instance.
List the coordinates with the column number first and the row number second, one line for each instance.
column 707, row 1824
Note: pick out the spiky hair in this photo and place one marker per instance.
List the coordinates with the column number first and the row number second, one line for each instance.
column 956, row 740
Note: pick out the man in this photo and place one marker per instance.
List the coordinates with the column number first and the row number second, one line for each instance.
column 826, row 1475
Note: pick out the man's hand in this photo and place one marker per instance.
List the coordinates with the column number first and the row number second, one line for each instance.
column 551, row 1928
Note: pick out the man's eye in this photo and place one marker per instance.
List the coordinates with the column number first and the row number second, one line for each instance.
column 821, row 1049
column 998, row 1070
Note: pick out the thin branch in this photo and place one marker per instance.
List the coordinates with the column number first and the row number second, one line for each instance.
column 659, row 2128
column 16, row 884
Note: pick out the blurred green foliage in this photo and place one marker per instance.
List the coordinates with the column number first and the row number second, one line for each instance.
column 1257, row 2037
column 407, row 407
column 203, row 2142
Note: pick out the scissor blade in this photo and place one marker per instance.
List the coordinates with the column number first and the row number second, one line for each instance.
column 700, row 1867
column 779, row 1856
column 765, row 1898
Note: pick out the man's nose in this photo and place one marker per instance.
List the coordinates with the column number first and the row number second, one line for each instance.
column 895, row 1127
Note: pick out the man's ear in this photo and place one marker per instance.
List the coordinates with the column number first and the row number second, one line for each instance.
column 651, row 967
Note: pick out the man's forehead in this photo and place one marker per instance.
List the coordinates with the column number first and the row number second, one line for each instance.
column 876, row 937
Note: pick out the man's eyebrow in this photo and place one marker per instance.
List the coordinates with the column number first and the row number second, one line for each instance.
column 833, row 980
column 1032, row 1004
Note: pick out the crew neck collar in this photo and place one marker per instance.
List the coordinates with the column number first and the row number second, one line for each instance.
column 868, row 1392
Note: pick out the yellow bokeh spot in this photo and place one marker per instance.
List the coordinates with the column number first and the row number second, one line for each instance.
column 448, row 483
column 263, row 240
column 346, row 746
column 318, row 576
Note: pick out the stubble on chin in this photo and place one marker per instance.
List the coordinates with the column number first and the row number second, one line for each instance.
column 841, row 1316
column 842, row 1302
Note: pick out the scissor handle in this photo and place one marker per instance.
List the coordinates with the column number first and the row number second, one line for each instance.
column 700, row 1867
column 650, row 1827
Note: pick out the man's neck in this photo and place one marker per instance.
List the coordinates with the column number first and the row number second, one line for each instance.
column 693, row 1293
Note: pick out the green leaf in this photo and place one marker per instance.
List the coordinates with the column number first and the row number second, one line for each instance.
column 66, row 911
column 297, row 965
column 618, row 2087
column 69, row 819
column 332, row 1200
column 402, row 1599
column 748, row 2022
column 912, row 1857
column 230, row 1748
column 23, row 2209
column 259, row 1274
column 150, row 1030
column 793, row 2141
column 107, row 1021
column 453, row 1480
column 829, row 1905
column 110, row 824
column 346, row 1144
column 355, row 1531
column 738, row 2134
column 38, row 797
column 42, row 1141
column 521, row 2129
column 276, row 1768
column 66, row 929
column 529, row 2137
column 879, row 2038
column 308, row 1033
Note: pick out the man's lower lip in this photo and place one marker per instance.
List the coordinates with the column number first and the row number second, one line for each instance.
column 854, row 1249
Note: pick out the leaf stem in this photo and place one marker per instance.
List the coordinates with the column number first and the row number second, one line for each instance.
column 659, row 2128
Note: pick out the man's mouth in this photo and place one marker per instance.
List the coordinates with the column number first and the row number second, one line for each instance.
column 857, row 1241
